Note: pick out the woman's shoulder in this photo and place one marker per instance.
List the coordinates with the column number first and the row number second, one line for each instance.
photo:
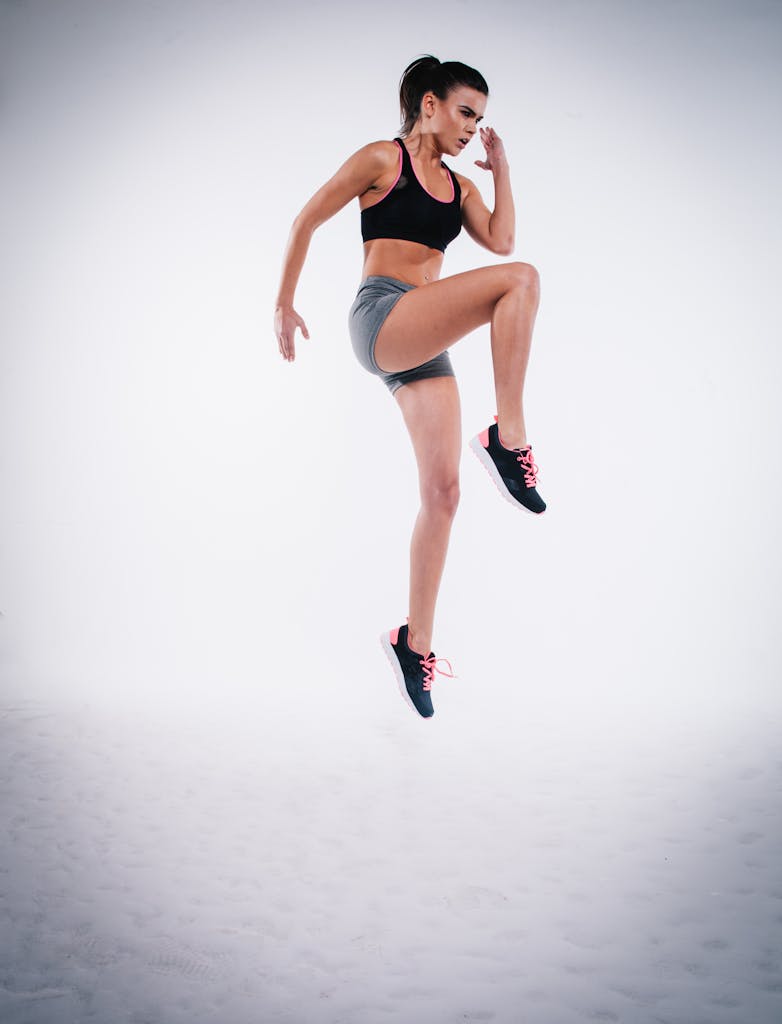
column 379, row 157
column 382, row 149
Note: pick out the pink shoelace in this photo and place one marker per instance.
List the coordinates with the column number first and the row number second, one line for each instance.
column 430, row 667
column 530, row 469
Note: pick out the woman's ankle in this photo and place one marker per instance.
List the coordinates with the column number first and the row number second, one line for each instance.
column 514, row 439
column 418, row 643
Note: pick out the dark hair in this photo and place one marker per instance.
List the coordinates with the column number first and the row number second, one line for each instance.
column 427, row 74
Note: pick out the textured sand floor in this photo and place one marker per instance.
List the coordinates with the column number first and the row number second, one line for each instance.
column 164, row 868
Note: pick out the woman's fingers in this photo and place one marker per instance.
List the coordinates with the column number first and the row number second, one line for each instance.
column 286, row 332
column 495, row 151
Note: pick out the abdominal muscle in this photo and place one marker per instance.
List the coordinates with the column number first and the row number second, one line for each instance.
column 406, row 261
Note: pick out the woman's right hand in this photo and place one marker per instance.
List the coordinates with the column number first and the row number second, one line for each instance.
column 286, row 320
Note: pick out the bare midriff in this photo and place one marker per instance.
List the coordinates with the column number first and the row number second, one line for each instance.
column 406, row 261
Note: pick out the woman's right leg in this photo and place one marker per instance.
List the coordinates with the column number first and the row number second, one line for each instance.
column 430, row 318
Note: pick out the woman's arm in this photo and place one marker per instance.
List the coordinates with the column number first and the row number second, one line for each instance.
column 354, row 177
column 494, row 231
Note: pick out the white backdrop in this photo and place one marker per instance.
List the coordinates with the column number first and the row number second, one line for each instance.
column 184, row 514
column 216, row 805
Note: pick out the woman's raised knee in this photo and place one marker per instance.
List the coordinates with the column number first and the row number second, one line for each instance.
column 524, row 275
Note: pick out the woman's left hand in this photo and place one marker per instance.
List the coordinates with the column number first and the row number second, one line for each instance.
column 495, row 151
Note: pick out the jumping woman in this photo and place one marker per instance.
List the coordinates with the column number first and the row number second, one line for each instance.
column 404, row 317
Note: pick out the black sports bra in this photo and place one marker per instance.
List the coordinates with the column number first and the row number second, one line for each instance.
column 409, row 212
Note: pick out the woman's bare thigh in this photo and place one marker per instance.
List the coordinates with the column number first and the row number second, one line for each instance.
column 432, row 414
column 427, row 319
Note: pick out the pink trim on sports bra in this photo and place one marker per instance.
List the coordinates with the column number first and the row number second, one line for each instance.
column 450, row 178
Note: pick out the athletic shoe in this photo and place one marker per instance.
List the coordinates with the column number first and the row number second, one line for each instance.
column 414, row 672
column 512, row 469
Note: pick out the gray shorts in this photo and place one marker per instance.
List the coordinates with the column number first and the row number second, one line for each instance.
column 376, row 297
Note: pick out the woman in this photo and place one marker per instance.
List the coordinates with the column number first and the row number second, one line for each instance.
column 404, row 317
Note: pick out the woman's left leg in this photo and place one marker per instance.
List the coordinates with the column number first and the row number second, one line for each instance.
column 432, row 414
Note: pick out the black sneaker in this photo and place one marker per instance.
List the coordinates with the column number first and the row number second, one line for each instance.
column 512, row 469
column 413, row 672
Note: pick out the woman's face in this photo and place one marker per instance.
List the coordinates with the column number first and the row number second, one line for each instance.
column 455, row 119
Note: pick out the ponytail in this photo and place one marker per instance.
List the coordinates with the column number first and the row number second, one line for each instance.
column 428, row 74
